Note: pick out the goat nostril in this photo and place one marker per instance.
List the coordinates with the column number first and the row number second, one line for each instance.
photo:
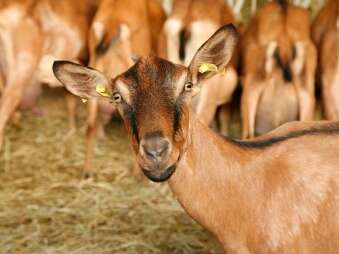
column 149, row 153
column 162, row 150
column 155, row 152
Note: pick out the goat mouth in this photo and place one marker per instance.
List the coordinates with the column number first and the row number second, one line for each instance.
column 162, row 177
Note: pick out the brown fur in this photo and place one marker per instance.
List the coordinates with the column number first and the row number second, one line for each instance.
column 275, row 194
column 325, row 33
column 144, row 20
column 275, row 90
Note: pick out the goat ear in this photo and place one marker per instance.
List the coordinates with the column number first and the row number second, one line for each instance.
column 82, row 81
column 213, row 56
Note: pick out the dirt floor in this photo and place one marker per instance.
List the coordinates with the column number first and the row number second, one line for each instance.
column 46, row 206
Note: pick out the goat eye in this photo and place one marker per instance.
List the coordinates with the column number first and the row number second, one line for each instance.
column 116, row 97
column 188, row 86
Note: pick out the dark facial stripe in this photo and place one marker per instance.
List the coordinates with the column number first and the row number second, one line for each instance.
column 331, row 129
column 132, row 120
column 177, row 116
column 132, row 73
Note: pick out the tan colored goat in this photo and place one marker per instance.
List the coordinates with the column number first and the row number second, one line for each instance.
column 190, row 24
column 325, row 33
column 33, row 35
column 275, row 194
column 279, row 61
column 18, row 60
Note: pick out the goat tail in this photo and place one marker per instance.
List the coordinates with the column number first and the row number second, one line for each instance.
column 283, row 4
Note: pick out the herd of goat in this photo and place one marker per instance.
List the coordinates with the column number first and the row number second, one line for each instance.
column 277, row 193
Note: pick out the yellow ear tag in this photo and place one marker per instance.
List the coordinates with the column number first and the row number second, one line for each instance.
column 84, row 100
column 208, row 67
column 101, row 89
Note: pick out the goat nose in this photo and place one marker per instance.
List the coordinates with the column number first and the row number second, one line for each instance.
column 155, row 149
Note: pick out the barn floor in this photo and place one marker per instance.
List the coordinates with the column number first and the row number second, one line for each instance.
column 46, row 206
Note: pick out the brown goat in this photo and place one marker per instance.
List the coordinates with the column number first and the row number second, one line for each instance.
column 33, row 35
column 325, row 33
column 190, row 24
column 276, row 194
column 121, row 30
column 279, row 61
